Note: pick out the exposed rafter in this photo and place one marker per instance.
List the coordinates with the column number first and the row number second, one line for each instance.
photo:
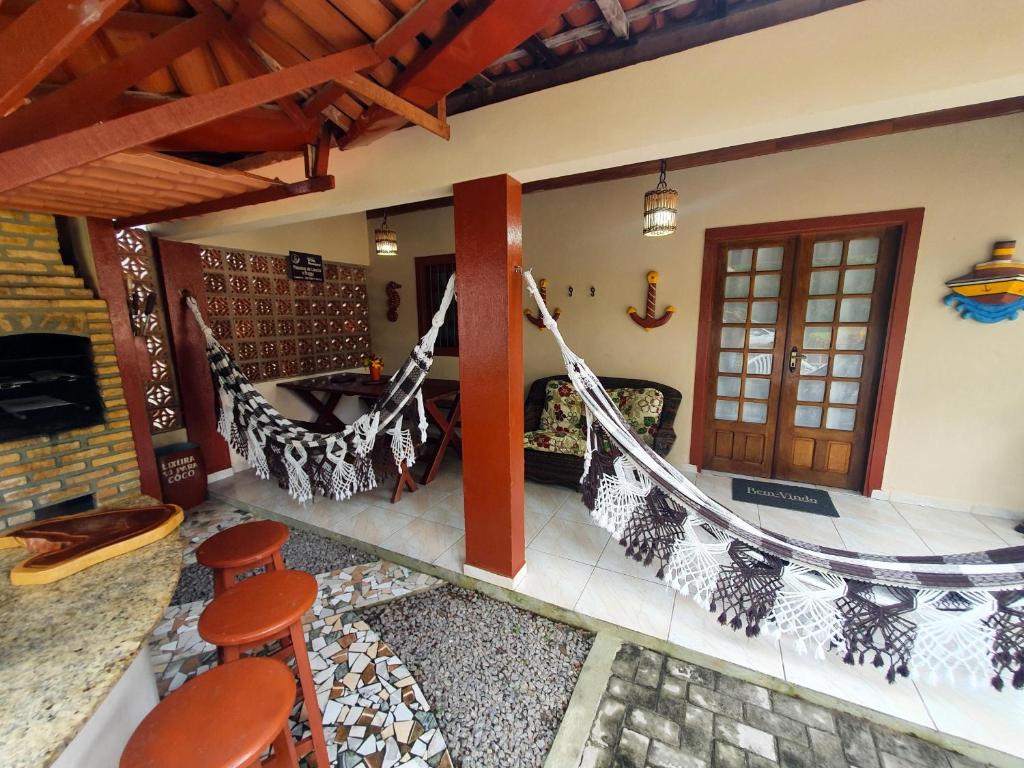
column 128, row 21
column 615, row 16
column 41, row 38
column 45, row 158
column 385, row 99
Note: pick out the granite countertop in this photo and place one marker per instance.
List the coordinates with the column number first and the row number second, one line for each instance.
column 64, row 645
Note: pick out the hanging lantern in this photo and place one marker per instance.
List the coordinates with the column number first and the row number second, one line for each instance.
column 660, row 208
column 385, row 239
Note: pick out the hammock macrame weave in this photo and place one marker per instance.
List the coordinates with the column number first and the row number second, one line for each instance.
column 943, row 615
column 338, row 465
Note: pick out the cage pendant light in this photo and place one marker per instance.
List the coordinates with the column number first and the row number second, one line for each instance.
column 660, row 207
column 385, row 239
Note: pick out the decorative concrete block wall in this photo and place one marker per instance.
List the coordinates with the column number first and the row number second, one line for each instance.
column 40, row 294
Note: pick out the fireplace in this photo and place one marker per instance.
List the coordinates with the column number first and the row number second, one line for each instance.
column 47, row 385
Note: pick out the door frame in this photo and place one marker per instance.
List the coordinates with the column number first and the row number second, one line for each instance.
column 911, row 220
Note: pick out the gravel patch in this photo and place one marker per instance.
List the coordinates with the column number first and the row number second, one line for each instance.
column 499, row 678
column 304, row 551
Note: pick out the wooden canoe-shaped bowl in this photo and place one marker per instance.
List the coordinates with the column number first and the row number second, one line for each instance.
column 62, row 546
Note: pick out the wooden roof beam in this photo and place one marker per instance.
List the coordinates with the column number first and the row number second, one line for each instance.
column 615, row 16
column 385, row 99
column 129, row 21
column 415, row 22
column 29, row 163
column 93, row 96
column 41, row 38
column 256, row 197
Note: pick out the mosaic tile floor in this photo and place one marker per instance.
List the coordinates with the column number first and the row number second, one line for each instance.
column 375, row 713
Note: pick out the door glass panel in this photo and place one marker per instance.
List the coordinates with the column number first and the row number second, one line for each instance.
column 858, row 280
column 757, row 389
column 827, row 254
column 810, row 391
column 734, row 312
column 851, row 337
column 814, row 365
column 737, row 287
column 847, row 366
column 807, row 416
column 841, row 418
column 817, row 337
column 729, row 386
column 732, row 338
column 739, row 260
column 730, row 362
column 755, row 413
column 764, row 311
column 766, row 286
column 820, row 310
column 760, row 363
column 854, row 310
column 762, row 338
column 862, row 251
column 769, row 258
column 845, row 392
column 727, row 410
column 824, row 282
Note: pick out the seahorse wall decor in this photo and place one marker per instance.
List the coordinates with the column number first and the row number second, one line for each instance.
column 542, row 285
column 649, row 321
column 391, row 289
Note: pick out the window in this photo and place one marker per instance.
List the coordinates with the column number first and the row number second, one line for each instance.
column 136, row 252
column 432, row 273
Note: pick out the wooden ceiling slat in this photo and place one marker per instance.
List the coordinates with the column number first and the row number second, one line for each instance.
column 104, row 192
column 176, row 165
column 319, row 15
column 195, row 72
column 230, row 64
column 91, row 54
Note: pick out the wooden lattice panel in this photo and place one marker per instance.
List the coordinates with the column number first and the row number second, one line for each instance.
column 275, row 327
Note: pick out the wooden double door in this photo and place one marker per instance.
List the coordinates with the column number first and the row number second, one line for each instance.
column 797, row 336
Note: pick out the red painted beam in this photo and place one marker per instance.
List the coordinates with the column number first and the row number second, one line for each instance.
column 111, row 288
column 268, row 195
column 181, row 269
column 487, row 32
column 87, row 99
column 45, row 158
column 488, row 247
column 41, row 38
column 418, row 20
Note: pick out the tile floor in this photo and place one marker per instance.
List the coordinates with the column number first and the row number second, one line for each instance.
column 574, row 564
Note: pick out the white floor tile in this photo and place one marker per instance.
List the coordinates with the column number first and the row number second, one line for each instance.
column 373, row 525
column 867, row 510
column 448, row 510
column 534, row 523
column 979, row 714
column 413, row 503
column 816, row 529
column 628, row 602
column 454, row 557
column 614, row 558
column 545, row 499
column 946, row 520
column 576, row 541
column 864, row 685
column 878, row 539
column 1004, row 528
column 945, row 543
column 554, row 579
column 574, row 511
column 698, row 629
column 423, row 539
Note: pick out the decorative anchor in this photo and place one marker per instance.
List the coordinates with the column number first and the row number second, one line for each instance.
column 542, row 284
column 649, row 321
column 391, row 289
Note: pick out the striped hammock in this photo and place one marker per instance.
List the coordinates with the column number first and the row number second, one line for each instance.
column 337, row 465
column 943, row 615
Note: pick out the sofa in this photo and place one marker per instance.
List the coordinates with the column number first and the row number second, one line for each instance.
column 554, row 439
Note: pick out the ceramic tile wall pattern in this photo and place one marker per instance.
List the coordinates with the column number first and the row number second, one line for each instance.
column 276, row 327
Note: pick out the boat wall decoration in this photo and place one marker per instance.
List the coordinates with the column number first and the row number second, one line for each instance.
column 993, row 291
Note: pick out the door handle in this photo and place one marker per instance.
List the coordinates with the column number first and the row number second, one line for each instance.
column 794, row 358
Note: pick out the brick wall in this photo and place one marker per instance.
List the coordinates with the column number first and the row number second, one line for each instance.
column 39, row 294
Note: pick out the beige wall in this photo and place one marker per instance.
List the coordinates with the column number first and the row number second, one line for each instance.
column 956, row 433
column 871, row 60
column 336, row 238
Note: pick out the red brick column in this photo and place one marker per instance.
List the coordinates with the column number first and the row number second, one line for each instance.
column 182, row 269
column 488, row 246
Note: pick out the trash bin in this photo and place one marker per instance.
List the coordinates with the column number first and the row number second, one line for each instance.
column 182, row 474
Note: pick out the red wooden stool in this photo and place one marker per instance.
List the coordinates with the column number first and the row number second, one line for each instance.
column 225, row 718
column 243, row 548
column 259, row 611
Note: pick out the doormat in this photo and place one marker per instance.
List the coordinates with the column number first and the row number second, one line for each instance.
column 784, row 496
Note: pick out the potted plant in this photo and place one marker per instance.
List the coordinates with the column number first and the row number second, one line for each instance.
column 375, row 365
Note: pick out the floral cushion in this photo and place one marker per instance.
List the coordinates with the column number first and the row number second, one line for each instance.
column 564, row 416
column 573, row 443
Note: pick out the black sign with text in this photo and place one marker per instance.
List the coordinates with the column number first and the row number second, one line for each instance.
column 305, row 266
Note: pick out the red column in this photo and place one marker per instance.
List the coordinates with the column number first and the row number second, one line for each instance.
column 110, row 287
column 488, row 246
column 182, row 269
